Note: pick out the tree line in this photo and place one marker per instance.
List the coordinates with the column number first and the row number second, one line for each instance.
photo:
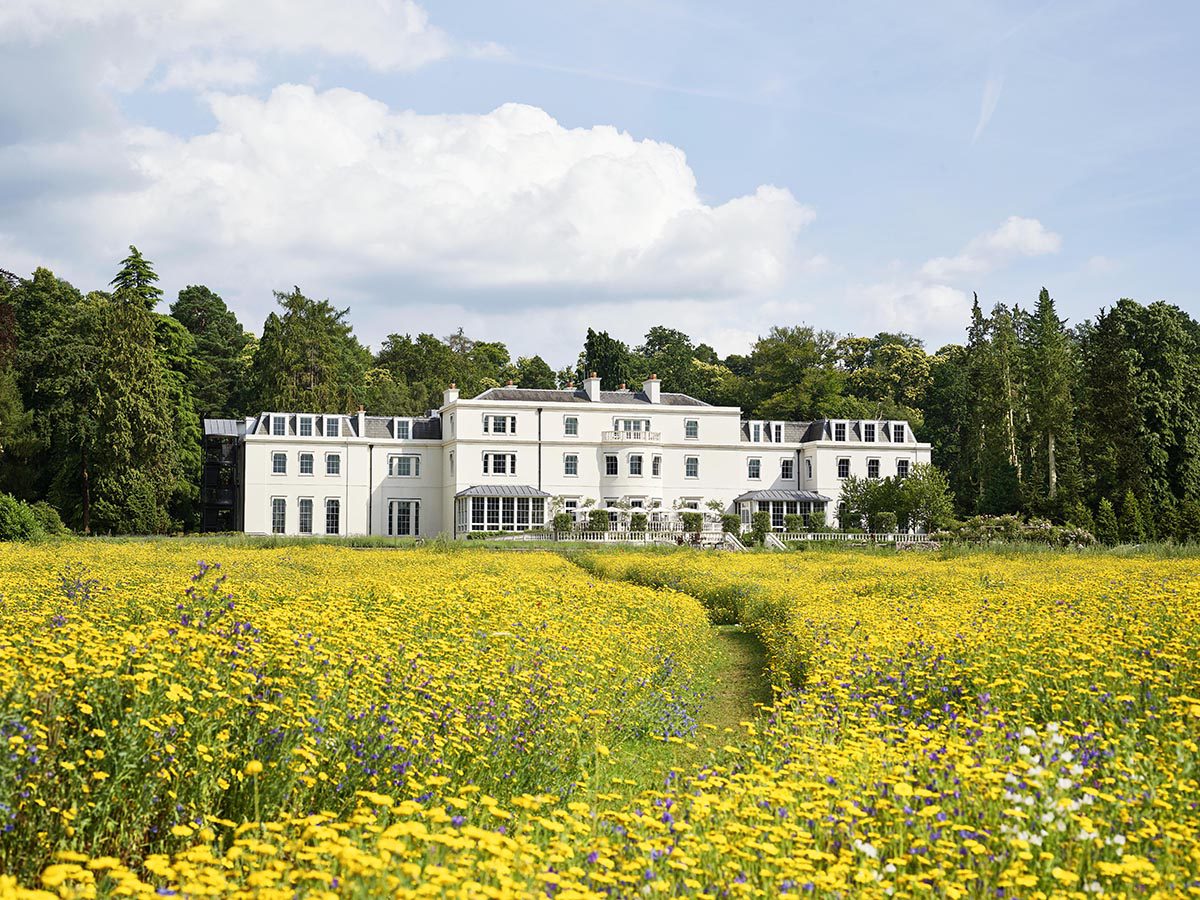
column 101, row 397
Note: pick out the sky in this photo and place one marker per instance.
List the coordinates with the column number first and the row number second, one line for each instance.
column 528, row 170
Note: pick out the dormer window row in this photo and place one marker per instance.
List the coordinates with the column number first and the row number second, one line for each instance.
column 873, row 432
column 315, row 425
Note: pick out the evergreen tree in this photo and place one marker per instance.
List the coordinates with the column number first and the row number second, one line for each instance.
column 134, row 283
column 1129, row 526
column 998, row 392
column 609, row 358
column 308, row 358
column 219, row 370
column 948, row 415
column 177, row 355
column 1106, row 523
column 1049, row 370
column 534, row 372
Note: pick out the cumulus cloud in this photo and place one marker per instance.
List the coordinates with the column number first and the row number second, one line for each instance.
column 1016, row 237
column 345, row 185
column 132, row 37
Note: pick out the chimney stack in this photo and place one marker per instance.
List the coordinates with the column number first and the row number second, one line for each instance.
column 450, row 394
column 650, row 387
column 362, row 421
column 591, row 385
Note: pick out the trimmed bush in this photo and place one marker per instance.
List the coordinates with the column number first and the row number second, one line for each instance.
column 793, row 522
column 637, row 521
column 760, row 524
column 562, row 522
column 693, row 522
column 731, row 523
column 598, row 520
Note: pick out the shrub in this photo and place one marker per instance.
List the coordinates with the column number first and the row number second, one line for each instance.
column 731, row 523
column 693, row 522
column 816, row 520
column 1187, row 523
column 637, row 521
column 598, row 520
column 883, row 522
column 760, row 524
column 562, row 522
column 18, row 521
column 793, row 522
column 49, row 519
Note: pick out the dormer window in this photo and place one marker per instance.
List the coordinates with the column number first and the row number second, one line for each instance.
column 756, row 432
column 898, row 433
column 778, row 433
column 403, row 429
column 331, row 426
column 839, row 431
column 306, row 423
column 869, row 432
column 278, row 425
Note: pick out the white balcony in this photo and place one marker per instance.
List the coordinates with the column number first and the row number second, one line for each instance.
column 631, row 437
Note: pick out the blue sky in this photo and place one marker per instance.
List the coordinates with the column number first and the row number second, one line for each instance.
column 526, row 170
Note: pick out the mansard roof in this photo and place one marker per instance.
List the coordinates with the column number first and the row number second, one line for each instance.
column 423, row 428
column 793, row 432
column 540, row 395
column 800, row 496
column 501, row 490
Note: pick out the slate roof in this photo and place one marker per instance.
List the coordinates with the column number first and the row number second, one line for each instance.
column 501, row 490
column 382, row 427
column 793, row 432
column 539, row 395
column 810, row 496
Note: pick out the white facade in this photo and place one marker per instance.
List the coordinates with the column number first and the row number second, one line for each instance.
column 501, row 461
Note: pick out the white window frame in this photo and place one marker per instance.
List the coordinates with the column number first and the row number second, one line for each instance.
column 756, row 432
column 333, row 426
column 275, row 457
column 839, row 432
column 282, row 529
column 846, row 460
column 490, row 421
column 641, row 465
column 489, row 463
column 393, row 464
column 278, row 426
column 873, row 461
column 312, row 464
column 568, row 458
column 337, row 504
column 691, row 425
column 690, row 462
column 300, row 514
column 304, row 422
column 754, row 468
column 336, row 459
column 570, row 422
column 784, row 463
column 407, row 423
column 868, row 432
column 656, row 466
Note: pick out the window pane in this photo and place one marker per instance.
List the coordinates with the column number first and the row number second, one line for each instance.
column 333, row 509
column 306, row 427
column 333, row 464
column 279, row 463
column 306, row 463
column 278, row 515
column 331, row 427
column 306, row 516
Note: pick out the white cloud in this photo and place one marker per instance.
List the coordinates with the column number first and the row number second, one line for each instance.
column 987, row 105
column 208, row 73
column 1016, row 237
column 914, row 306
column 134, row 36
column 1101, row 265
column 341, row 186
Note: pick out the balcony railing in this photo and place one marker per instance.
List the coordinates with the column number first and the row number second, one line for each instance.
column 635, row 437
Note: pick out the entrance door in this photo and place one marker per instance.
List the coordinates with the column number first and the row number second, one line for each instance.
column 404, row 518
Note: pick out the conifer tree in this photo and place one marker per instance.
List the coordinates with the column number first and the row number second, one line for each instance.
column 1129, row 525
column 1106, row 523
column 135, row 281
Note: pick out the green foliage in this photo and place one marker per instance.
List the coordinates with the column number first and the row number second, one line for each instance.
column 1130, row 527
column 693, row 522
column 219, row 363
column 534, row 372
column 1106, row 524
column 637, row 521
column 882, row 522
column 731, row 523
column 562, row 522
column 760, row 525
column 793, row 522
column 48, row 519
column 1187, row 524
column 598, row 520
column 308, row 358
column 134, row 283
column 609, row 358
column 18, row 522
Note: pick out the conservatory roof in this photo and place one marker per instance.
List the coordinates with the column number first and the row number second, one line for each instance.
column 810, row 496
column 501, row 490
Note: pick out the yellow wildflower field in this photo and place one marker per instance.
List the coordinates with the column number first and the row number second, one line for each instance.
column 322, row 721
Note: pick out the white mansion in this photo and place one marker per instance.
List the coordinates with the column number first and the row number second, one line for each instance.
column 505, row 460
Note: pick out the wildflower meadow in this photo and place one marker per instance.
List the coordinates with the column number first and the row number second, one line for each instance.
column 324, row 721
